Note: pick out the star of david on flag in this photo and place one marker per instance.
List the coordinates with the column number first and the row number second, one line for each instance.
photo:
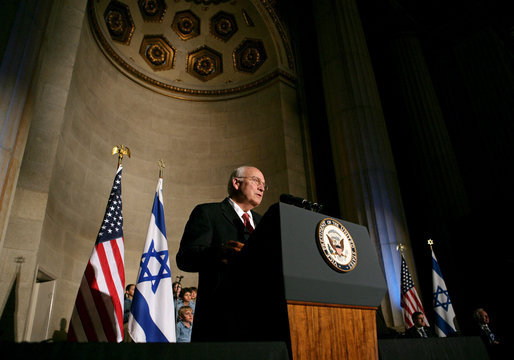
column 445, row 316
column 164, row 271
column 152, row 314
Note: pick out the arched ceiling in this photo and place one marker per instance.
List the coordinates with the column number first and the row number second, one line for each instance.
column 194, row 49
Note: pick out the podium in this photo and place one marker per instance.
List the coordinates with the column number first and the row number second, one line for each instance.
column 295, row 295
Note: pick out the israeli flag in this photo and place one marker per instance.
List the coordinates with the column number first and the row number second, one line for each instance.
column 445, row 321
column 152, row 314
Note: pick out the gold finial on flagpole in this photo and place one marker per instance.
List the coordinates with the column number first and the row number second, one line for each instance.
column 400, row 248
column 121, row 150
column 161, row 167
column 430, row 243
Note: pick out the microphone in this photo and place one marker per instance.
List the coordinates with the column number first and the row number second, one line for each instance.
column 293, row 200
column 300, row 202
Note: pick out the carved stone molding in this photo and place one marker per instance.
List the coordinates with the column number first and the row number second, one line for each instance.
column 178, row 47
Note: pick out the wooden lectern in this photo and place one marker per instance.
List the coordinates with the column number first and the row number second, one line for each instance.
column 295, row 296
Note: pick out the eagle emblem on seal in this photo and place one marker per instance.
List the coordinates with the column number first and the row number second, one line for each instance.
column 336, row 245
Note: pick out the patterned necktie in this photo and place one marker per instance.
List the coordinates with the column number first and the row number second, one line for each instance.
column 423, row 333
column 248, row 225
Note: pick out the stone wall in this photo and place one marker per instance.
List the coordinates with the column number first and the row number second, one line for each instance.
column 68, row 169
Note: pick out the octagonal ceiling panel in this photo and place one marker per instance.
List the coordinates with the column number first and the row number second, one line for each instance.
column 223, row 25
column 152, row 10
column 207, row 50
column 158, row 53
column 118, row 21
column 186, row 24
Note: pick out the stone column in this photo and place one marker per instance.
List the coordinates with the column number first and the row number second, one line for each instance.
column 365, row 172
column 16, row 73
column 427, row 137
column 35, row 114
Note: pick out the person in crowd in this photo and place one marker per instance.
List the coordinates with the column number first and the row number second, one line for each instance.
column 177, row 287
column 194, row 292
column 129, row 295
column 482, row 319
column 213, row 237
column 127, row 304
column 419, row 330
column 185, row 300
column 184, row 324
column 491, row 340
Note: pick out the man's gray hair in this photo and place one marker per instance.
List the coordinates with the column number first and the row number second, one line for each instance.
column 237, row 173
column 476, row 313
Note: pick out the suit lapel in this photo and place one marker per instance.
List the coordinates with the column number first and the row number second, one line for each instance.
column 256, row 218
column 230, row 214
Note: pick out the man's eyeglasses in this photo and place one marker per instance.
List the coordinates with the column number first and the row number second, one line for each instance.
column 256, row 180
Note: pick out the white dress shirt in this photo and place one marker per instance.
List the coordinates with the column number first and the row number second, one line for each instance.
column 240, row 212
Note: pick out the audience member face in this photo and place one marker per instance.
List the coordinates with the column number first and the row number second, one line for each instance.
column 419, row 321
column 177, row 288
column 193, row 294
column 187, row 316
column 186, row 297
column 130, row 291
column 483, row 318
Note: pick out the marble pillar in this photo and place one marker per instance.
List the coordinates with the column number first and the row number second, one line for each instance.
column 38, row 80
column 435, row 164
column 366, row 177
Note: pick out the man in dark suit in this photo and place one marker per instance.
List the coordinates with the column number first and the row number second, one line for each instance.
column 491, row 341
column 213, row 238
column 419, row 330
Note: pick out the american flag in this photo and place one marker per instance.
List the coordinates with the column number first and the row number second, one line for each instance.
column 410, row 299
column 98, row 311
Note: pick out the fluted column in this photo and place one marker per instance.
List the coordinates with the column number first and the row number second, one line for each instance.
column 483, row 62
column 37, row 90
column 434, row 161
column 365, row 172
column 16, row 71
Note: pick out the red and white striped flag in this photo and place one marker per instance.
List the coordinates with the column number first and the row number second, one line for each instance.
column 98, row 311
column 410, row 299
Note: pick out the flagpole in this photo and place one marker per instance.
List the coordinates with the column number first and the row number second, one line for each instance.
column 161, row 167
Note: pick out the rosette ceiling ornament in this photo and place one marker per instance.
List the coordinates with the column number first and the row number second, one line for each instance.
column 194, row 49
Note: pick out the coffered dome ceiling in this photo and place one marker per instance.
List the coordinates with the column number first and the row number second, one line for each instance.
column 194, row 49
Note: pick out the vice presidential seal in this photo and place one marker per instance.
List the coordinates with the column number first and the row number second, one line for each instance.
column 336, row 245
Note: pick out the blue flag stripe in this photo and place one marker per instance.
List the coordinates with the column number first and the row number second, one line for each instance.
column 436, row 268
column 141, row 313
column 158, row 212
column 443, row 325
